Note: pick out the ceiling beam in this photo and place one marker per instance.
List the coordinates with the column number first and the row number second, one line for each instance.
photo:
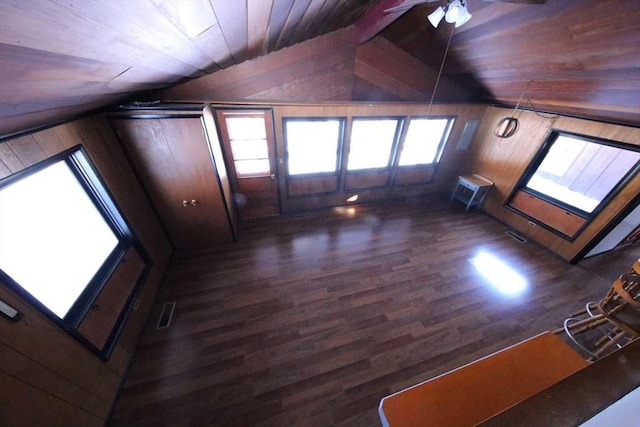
column 376, row 20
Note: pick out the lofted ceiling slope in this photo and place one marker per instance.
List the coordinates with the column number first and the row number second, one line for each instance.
column 59, row 58
column 578, row 57
column 63, row 57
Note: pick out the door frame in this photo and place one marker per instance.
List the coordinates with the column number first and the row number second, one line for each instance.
column 223, row 134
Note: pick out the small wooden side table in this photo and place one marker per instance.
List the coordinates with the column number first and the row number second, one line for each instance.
column 471, row 190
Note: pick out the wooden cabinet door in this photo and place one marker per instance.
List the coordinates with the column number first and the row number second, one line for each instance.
column 550, row 215
column 174, row 163
column 99, row 323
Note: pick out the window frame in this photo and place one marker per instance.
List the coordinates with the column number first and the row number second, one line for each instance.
column 339, row 146
column 393, row 151
column 537, row 160
column 82, row 168
column 247, row 114
column 444, row 138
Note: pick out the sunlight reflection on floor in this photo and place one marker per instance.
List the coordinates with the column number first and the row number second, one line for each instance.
column 500, row 275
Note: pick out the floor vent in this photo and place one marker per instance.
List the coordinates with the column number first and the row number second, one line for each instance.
column 516, row 236
column 302, row 216
column 166, row 315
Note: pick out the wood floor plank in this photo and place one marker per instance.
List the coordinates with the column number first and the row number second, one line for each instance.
column 311, row 321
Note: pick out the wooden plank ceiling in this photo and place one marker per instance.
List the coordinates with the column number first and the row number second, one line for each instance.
column 579, row 57
column 63, row 57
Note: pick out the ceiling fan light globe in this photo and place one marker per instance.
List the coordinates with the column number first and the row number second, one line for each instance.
column 453, row 11
column 463, row 18
column 436, row 16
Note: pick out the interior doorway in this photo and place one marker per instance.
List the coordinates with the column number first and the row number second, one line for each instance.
column 624, row 234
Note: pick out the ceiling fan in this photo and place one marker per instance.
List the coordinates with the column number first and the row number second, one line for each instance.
column 454, row 12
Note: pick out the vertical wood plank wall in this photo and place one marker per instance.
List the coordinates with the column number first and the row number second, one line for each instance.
column 46, row 376
column 452, row 162
column 504, row 161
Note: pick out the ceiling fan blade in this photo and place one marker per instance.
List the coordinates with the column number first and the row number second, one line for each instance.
column 407, row 5
column 519, row 1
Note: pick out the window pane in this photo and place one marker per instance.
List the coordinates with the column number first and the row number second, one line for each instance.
column 371, row 142
column 312, row 146
column 246, row 127
column 54, row 240
column 561, row 155
column 581, row 173
column 245, row 149
column 422, row 141
column 249, row 146
column 252, row 168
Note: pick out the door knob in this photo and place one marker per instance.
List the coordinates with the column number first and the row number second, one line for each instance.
column 185, row 203
column 194, row 202
column 273, row 176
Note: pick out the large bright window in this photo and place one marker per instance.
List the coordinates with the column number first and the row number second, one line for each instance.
column 424, row 141
column 312, row 145
column 58, row 233
column 580, row 172
column 371, row 143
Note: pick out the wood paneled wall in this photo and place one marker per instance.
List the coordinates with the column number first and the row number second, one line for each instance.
column 332, row 67
column 384, row 72
column 48, row 377
column 63, row 112
column 315, row 70
column 504, row 161
column 452, row 162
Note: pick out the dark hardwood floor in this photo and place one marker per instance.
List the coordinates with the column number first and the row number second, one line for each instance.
column 310, row 321
column 609, row 264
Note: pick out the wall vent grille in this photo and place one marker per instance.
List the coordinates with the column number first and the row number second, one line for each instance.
column 515, row 236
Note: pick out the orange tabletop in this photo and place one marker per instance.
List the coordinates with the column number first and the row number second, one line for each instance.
column 474, row 392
